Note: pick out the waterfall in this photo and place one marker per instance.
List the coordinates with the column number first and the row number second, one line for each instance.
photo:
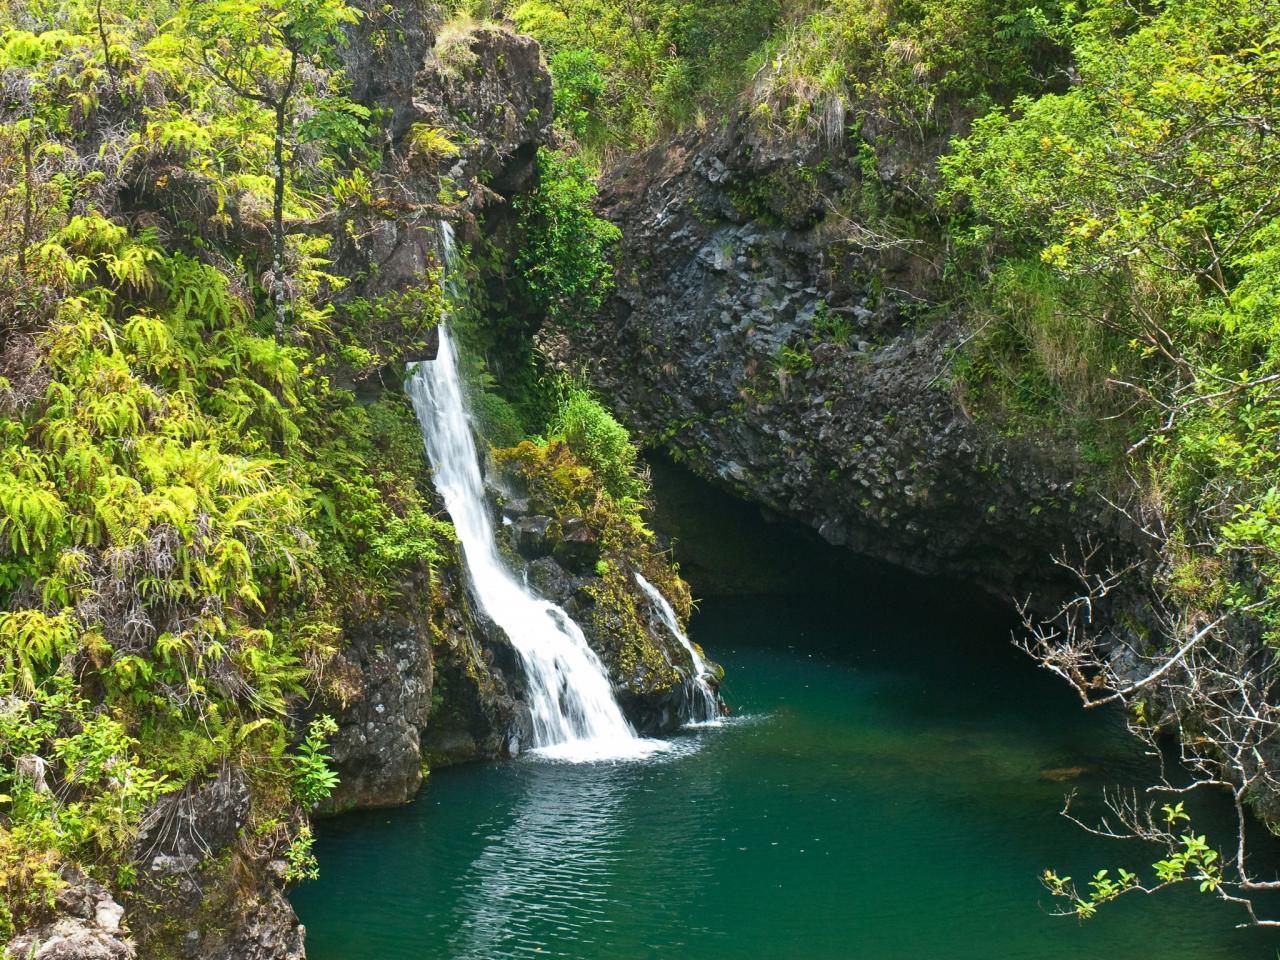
column 575, row 715
column 704, row 703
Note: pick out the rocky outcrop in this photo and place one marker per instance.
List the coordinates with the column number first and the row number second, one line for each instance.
column 490, row 87
column 585, row 557
column 70, row 939
column 466, row 115
column 87, row 926
column 425, row 690
column 758, row 337
column 208, row 886
column 388, row 668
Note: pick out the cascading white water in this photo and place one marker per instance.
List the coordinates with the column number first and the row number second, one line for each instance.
column 575, row 715
column 703, row 702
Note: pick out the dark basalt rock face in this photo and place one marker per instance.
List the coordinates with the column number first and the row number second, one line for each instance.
column 534, row 536
column 476, row 710
column 579, row 548
column 423, row 688
column 487, row 94
column 376, row 750
column 387, row 660
column 491, row 86
column 716, row 345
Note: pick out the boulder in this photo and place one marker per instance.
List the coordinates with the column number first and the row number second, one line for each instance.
column 533, row 536
column 578, row 549
column 88, row 926
column 70, row 938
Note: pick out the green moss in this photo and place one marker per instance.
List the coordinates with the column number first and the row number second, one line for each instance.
column 787, row 195
column 615, row 614
column 556, row 479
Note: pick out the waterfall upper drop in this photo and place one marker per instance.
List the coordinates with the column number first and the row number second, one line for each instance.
column 704, row 703
column 575, row 715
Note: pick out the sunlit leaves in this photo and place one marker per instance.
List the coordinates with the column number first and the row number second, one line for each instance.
column 30, row 641
column 186, row 504
column 1149, row 188
column 564, row 254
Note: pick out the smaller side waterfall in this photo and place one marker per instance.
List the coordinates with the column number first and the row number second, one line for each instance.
column 703, row 701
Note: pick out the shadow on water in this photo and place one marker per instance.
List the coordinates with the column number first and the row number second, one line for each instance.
column 886, row 791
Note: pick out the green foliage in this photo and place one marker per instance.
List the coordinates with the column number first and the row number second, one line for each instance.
column 579, row 83
column 1190, row 859
column 190, row 507
column 498, row 419
column 1038, row 361
column 563, row 258
column 300, row 860
column 1143, row 193
column 372, row 520
column 831, row 326
column 377, row 332
column 430, row 145
column 913, row 66
column 599, row 442
column 313, row 778
column 252, row 42
column 267, row 52
column 1136, row 282
column 625, row 73
column 70, row 781
column 557, row 477
column 794, row 360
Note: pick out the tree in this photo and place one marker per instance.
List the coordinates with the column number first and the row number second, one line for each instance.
column 1148, row 188
column 263, row 51
column 1211, row 685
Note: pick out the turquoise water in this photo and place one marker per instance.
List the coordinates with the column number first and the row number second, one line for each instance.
column 878, row 795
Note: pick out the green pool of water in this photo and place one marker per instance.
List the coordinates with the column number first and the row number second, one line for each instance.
column 878, row 796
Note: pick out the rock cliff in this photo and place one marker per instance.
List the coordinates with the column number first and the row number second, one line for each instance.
column 771, row 347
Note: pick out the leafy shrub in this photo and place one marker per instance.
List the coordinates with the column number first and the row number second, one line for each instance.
column 645, row 66
column 313, row 778
column 578, row 84
column 55, row 742
column 912, row 66
column 430, row 145
column 1155, row 275
column 564, row 251
column 600, row 442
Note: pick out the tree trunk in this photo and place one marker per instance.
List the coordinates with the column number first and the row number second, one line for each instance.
column 277, row 226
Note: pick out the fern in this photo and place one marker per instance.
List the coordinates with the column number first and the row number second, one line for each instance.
column 30, row 641
column 32, row 515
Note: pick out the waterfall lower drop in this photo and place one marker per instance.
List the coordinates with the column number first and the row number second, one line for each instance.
column 704, row 704
column 575, row 715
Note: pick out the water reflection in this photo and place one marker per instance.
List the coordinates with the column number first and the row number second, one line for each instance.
column 877, row 804
column 564, row 867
